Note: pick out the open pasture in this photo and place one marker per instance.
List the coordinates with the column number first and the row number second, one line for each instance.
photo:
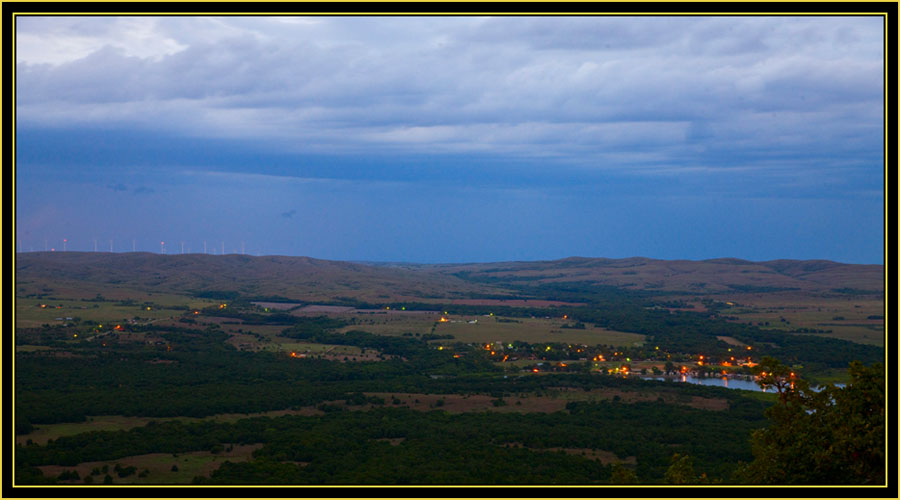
column 531, row 330
column 30, row 314
column 385, row 324
column 495, row 328
column 849, row 318
column 314, row 349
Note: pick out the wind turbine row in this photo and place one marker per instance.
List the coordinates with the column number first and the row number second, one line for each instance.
column 162, row 247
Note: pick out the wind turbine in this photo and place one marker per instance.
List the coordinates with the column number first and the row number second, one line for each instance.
column 110, row 246
column 133, row 244
column 65, row 240
column 182, row 248
column 95, row 244
column 162, row 247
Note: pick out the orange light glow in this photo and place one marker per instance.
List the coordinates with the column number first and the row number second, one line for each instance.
column 293, row 354
column 562, row 364
column 443, row 320
column 565, row 316
column 43, row 306
column 535, row 370
column 505, row 358
column 196, row 312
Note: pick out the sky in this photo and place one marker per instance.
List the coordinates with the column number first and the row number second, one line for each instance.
column 453, row 139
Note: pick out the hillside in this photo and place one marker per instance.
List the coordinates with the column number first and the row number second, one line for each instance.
column 707, row 276
column 308, row 278
column 273, row 276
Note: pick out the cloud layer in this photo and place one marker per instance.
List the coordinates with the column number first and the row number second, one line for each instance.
column 602, row 93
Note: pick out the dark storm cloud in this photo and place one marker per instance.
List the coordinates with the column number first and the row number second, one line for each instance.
column 579, row 89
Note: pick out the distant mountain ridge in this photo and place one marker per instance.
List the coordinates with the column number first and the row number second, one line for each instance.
column 296, row 277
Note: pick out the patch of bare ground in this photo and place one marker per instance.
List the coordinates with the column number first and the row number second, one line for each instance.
column 43, row 433
column 159, row 465
column 64, row 354
column 319, row 309
column 548, row 403
column 570, row 394
column 512, row 302
column 392, row 441
column 730, row 340
column 461, row 403
column 605, row 457
column 281, row 306
column 351, row 358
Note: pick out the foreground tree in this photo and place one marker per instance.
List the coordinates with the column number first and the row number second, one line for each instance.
column 622, row 475
column 681, row 471
column 834, row 436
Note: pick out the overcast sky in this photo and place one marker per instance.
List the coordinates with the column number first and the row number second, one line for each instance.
column 453, row 139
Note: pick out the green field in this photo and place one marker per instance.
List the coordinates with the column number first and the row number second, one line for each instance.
column 30, row 314
column 495, row 328
column 532, row 330
column 817, row 313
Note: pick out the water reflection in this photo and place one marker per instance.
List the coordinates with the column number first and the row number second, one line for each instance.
column 734, row 382
column 728, row 382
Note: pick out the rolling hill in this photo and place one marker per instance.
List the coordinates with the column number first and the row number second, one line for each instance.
column 304, row 278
